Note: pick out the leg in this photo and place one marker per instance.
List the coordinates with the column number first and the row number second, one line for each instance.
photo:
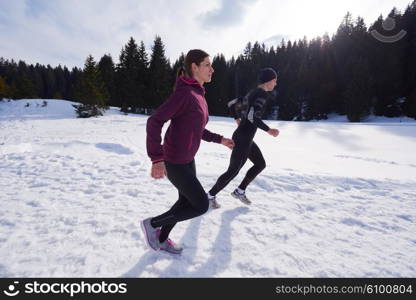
column 166, row 229
column 183, row 177
column 238, row 158
column 257, row 158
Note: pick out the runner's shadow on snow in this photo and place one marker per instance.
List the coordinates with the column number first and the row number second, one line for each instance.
column 114, row 148
column 220, row 254
column 405, row 129
column 148, row 259
column 217, row 262
column 180, row 263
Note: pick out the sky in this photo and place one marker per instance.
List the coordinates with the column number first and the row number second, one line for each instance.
column 66, row 31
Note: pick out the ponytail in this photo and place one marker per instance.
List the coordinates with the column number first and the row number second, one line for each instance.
column 181, row 72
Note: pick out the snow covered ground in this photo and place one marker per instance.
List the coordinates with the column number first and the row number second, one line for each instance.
column 336, row 200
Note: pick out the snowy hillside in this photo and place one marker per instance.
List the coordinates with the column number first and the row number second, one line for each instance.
column 336, row 200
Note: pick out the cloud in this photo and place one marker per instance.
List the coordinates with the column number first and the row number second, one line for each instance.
column 230, row 13
column 66, row 31
column 276, row 40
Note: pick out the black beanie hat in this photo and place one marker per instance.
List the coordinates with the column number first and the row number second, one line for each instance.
column 266, row 75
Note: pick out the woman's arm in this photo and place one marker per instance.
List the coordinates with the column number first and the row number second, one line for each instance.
column 173, row 106
column 209, row 136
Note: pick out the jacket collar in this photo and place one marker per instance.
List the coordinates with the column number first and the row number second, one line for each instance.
column 188, row 81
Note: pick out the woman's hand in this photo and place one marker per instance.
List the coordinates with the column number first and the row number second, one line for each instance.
column 273, row 132
column 227, row 142
column 238, row 121
column 158, row 170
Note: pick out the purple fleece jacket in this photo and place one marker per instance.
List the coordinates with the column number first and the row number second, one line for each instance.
column 187, row 111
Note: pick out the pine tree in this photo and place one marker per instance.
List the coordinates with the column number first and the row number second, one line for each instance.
column 160, row 78
column 217, row 89
column 24, row 87
column 91, row 93
column 409, row 60
column 38, row 80
column 178, row 63
column 5, row 90
column 291, row 100
column 60, row 83
column 107, row 71
column 327, row 83
column 232, row 80
column 143, row 78
column 49, row 81
column 387, row 66
column 358, row 92
column 66, row 93
column 342, row 44
column 75, row 82
column 127, row 77
column 247, row 51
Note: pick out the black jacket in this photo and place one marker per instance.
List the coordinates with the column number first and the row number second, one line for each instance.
column 254, row 105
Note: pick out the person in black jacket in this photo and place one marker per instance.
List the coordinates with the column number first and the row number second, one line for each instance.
column 254, row 104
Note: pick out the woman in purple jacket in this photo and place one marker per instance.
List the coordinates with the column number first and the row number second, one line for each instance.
column 187, row 111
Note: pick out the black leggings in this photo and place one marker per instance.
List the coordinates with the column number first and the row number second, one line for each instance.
column 192, row 200
column 243, row 150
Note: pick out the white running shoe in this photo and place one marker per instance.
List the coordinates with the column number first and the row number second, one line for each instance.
column 241, row 196
column 213, row 203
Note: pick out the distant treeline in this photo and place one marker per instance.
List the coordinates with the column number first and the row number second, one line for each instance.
column 356, row 72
